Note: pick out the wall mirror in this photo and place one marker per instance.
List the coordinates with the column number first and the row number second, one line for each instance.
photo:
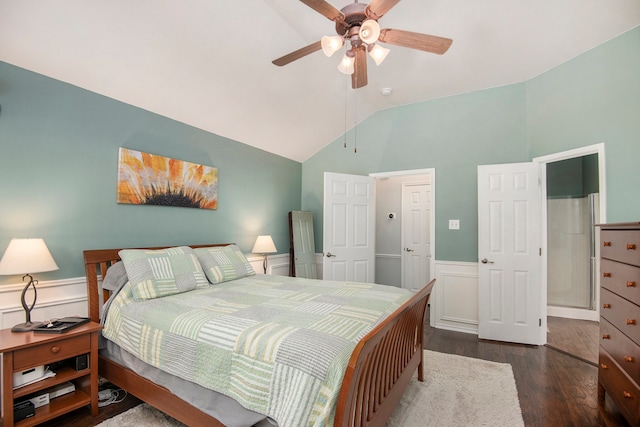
column 302, row 249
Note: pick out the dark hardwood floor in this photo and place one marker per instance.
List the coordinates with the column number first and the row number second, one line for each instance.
column 576, row 337
column 554, row 388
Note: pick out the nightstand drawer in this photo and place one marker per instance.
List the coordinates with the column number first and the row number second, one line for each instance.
column 50, row 352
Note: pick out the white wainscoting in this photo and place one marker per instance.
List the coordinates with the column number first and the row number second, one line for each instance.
column 454, row 301
column 56, row 298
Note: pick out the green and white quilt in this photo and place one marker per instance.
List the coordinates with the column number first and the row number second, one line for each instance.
column 278, row 345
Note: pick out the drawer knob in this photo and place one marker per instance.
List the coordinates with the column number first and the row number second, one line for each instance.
column 606, row 243
column 606, row 337
column 606, row 274
column 631, row 321
column 631, row 284
column 55, row 349
column 606, row 305
column 628, row 359
column 627, row 395
column 631, row 246
column 604, row 366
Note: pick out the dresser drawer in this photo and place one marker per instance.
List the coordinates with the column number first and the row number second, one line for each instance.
column 622, row 390
column 620, row 278
column 51, row 352
column 621, row 245
column 621, row 349
column 621, row 313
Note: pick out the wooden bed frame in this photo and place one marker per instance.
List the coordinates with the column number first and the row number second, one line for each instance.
column 378, row 372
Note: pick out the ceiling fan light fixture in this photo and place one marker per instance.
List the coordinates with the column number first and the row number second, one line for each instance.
column 346, row 66
column 378, row 53
column 331, row 44
column 369, row 31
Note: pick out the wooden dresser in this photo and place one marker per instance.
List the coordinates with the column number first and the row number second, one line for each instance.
column 619, row 364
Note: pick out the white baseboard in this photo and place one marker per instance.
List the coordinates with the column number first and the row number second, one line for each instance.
column 573, row 313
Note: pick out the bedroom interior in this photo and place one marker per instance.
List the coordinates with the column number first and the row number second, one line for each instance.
column 62, row 123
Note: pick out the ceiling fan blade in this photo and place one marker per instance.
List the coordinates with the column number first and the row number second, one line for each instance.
column 377, row 8
column 324, row 8
column 284, row 60
column 432, row 44
column 359, row 76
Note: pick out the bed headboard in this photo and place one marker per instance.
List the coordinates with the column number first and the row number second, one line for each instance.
column 97, row 262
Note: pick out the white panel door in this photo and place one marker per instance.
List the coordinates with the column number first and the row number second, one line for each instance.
column 509, row 291
column 416, row 235
column 348, row 227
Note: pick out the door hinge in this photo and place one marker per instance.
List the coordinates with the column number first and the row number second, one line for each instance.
column 540, row 251
column 540, row 322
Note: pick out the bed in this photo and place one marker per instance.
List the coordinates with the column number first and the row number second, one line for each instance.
column 377, row 370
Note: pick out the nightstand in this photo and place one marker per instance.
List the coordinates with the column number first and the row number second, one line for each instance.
column 25, row 350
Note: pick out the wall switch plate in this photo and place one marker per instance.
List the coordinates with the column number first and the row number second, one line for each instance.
column 454, row 224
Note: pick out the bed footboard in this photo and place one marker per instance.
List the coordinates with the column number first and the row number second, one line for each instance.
column 382, row 364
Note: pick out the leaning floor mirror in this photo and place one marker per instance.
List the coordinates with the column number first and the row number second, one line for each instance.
column 302, row 252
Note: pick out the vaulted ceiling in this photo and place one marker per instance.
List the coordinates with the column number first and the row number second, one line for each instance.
column 207, row 63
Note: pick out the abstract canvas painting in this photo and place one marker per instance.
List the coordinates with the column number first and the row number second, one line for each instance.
column 149, row 179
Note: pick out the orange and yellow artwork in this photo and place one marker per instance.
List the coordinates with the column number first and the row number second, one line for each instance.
column 149, row 179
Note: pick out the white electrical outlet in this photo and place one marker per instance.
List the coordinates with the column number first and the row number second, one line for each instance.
column 454, row 224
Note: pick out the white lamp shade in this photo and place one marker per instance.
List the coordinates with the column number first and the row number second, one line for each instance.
column 346, row 65
column 25, row 256
column 369, row 31
column 264, row 245
column 378, row 53
column 331, row 45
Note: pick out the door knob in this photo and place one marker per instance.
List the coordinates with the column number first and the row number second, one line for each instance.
column 408, row 249
column 329, row 255
column 486, row 261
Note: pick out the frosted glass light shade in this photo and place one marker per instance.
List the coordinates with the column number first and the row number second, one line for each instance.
column 378, row 53
column 331, row 45
column 369, row 31
column 26, row 256
column 346, row 66
column 264, row 245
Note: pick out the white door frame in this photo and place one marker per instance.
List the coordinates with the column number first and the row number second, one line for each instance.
column 602, row 184
column 432, row 221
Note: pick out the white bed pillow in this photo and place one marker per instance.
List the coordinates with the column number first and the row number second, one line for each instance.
column 224, row 263
column 162, row 272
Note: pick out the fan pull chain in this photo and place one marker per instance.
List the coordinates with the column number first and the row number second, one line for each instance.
column 355, row 118
column 346, row 91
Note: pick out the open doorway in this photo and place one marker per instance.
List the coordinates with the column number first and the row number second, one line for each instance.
column 573, row 201
column 405, row 224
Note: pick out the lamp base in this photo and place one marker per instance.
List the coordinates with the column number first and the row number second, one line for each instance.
column 25, row 327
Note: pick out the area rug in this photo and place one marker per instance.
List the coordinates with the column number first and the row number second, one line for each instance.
column 457, row 391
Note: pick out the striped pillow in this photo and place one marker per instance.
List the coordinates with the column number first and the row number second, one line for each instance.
column 224, row 263
column 158, row 273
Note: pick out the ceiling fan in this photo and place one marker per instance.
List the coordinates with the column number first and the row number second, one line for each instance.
column 358, row 24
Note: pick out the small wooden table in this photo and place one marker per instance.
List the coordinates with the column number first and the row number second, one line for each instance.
column 25, row 350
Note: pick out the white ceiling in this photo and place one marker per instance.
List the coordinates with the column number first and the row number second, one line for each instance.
column 207, row 63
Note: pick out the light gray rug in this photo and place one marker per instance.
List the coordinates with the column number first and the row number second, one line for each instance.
column 457, row 391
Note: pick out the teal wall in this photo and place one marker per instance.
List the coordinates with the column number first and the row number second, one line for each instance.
column 453, row 135
column 58, row 168
column 576, row 177
column 591, row 99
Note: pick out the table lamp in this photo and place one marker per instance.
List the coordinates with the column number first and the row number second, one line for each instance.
column 25, row 256
column 264, row 245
